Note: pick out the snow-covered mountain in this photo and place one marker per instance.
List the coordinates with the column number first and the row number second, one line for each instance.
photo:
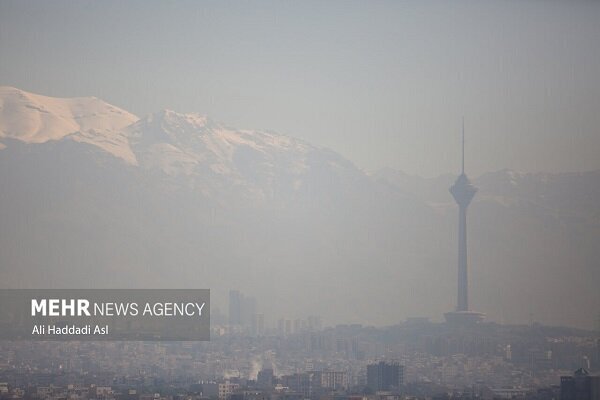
column 208, row 155
column 93, row 196
column 33, row 118
column 213, row 156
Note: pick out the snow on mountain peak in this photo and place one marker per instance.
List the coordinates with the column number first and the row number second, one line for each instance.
column 33, row 118
column 206, row 153
column 170, row 117
column 184, row 144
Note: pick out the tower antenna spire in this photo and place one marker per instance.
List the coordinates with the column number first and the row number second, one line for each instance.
column 463, row 145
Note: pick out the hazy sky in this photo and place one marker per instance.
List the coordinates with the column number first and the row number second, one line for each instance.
column 383, row 83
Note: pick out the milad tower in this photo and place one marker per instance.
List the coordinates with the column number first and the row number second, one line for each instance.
column 463, row 192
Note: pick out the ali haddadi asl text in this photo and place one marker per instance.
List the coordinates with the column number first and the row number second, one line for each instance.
column 68, row 330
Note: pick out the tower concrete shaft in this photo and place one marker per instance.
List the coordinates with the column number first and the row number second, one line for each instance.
column 463, row 282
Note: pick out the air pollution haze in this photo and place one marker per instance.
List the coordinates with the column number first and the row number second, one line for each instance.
column 302, row 154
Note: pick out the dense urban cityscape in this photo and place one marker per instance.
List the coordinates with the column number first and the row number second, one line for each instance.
column 300, row 359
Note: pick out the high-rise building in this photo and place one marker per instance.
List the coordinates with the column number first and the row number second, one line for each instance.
column 222, row 390
column 248, row 310
column 580, row 386
column 265, row 378
column 335, row 380
column 385, row 376
column 597, row 360
column 235, row 307
column 242, row 310
column 299, row 383
column 260, row 324
column 463, row 192
column 314, row 323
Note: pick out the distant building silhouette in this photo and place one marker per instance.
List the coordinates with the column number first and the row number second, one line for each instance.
column 259, row 330
column 265, row 378
column 334, row 380
column 242, row 310
column 384, row 376
column 299, row 383
column 235, row 307
column 580, row 386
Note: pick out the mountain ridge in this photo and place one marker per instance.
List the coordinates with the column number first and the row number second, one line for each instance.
column 188, row 145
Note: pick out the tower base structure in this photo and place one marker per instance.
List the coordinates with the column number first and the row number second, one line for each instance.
column 464, row 317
